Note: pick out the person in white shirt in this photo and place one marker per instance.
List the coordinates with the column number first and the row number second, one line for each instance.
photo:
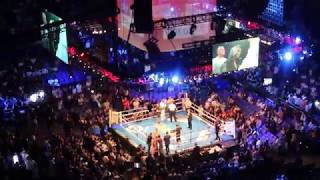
column 218, row 63
column 172, row 112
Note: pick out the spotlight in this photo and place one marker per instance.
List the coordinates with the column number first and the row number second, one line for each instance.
column 193, row 27
column 288, row 56
column 317, row 104
column 305, row 52
column 175, row 79
column 161, row 81
column 298, row 40
column 41, row 94
column 172, row 9
column 36, row 97
column 171, row 35
column 151, row 46
column 33, row 98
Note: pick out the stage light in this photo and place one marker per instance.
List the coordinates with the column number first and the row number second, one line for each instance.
column 301, row 57
column 175, row 79
column 298, row 40
column 317, row 104
column 41, row 94
column 288, row 56
column 33, row 98
column 172, row 9
column 229, row 14
column 161, row 81
column 305, row 52
column 193, row 28
column 156, row 77
column 171, row 35
column 38, row 96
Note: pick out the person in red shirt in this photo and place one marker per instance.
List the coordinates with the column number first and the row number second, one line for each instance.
column 125, row 103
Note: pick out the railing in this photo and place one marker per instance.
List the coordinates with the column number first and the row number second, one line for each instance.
column 188, row 138
column 203, row 114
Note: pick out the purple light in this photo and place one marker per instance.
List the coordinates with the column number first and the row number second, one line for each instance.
column 172, row 9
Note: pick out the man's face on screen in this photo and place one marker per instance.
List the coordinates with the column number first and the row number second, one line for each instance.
column 221, row 51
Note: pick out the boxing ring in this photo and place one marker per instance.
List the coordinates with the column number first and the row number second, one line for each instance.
column 136, row 125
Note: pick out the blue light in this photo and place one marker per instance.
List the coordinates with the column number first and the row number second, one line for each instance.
column 88, row 44
column 305, row 52
column 161, row 81
column 288, row 56
column 175, row 79
column 301, row 57
column 298, row 40
column 156, row 78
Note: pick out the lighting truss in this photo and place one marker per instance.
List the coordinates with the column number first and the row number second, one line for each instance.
column 186, row 20
column 198, row 44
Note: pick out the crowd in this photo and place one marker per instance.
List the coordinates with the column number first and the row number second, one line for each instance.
column 296, row 84
column 67, row 135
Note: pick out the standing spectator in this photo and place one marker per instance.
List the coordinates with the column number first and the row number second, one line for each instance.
column 149, row 139
column 217, row 127
column 166, row 139
column 189, row 114
column 125, row 103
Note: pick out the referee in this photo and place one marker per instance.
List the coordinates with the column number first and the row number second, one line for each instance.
column 172, row 112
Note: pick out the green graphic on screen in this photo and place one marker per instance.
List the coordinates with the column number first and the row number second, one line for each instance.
column 54, row 37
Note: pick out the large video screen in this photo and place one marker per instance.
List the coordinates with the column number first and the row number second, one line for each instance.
column 54, row 38
column 166, row 9
column 235, row 55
